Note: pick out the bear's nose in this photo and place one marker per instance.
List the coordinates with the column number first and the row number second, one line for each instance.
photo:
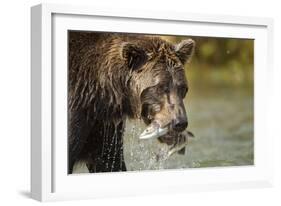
column 179, row 124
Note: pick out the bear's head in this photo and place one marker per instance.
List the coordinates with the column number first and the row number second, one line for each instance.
column 157, row 81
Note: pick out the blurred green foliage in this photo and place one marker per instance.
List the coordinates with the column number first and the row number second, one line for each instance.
column 220, row 61
column 224, row 51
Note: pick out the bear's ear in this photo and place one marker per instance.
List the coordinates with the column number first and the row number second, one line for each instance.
column 184, row 50
column 134, row 56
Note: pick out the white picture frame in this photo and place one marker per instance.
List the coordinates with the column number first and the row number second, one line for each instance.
column 49, row 179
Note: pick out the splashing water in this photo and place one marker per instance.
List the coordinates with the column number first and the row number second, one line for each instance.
column 142, row 154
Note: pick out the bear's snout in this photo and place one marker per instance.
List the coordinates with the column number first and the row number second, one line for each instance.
column 179, row 124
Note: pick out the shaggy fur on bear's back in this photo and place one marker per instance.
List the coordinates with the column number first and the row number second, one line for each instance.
column 101, row 94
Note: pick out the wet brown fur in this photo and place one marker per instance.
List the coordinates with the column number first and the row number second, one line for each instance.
column 117, row 76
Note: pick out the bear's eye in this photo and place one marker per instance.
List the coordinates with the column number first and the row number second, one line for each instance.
column 166, row 89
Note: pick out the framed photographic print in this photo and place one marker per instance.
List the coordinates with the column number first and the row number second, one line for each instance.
column 135, row 102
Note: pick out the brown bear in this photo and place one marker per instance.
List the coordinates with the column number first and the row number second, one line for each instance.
column 114, row 76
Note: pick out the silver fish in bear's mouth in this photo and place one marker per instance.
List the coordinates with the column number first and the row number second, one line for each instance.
column 179, row 140
column 153, row 131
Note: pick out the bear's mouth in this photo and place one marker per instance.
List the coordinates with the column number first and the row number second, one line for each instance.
column 176, row 141
column 164, row 134
column 169, row 138
column 154, row 130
